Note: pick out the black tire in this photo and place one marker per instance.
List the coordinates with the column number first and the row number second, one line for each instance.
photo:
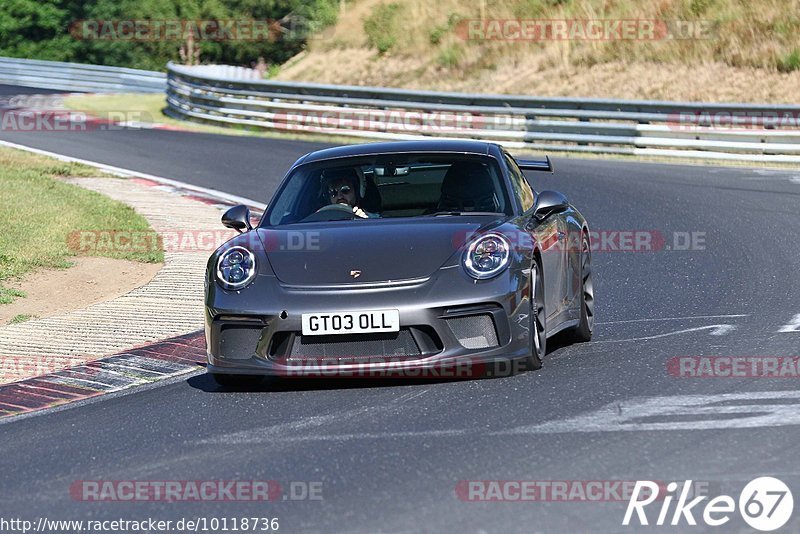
column 583, row 332
column 232, row 381
column 538, row 315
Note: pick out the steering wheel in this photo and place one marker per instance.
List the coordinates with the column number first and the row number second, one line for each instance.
column 337, row 206
column 332, row 212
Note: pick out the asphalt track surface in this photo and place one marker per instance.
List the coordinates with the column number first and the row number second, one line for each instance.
column 14, row 90
column 389, row 455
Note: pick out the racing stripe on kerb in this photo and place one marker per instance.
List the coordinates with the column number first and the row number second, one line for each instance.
column 135, row 367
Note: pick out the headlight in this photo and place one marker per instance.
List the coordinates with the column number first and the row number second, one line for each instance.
column 487, row 256
column 236, row 268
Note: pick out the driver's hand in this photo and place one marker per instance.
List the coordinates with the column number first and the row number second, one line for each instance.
column 358, row 211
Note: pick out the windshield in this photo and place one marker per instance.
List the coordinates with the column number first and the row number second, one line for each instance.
column 390, row 186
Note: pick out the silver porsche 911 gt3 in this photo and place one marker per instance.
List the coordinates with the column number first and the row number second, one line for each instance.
column 406, row 255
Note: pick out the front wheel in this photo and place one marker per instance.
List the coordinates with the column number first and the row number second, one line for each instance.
column 538, row 333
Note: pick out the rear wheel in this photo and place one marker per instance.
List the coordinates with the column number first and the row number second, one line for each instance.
column 236, row 380
column 583, row 332
column 538, row 334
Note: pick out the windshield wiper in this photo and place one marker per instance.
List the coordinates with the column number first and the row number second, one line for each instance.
column 457, row 213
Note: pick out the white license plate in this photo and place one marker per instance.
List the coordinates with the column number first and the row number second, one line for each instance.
column 322, row 324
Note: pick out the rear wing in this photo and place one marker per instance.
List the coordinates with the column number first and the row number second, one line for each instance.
column 536, row 164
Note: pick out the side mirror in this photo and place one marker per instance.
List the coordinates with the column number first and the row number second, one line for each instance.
column 549, row 202
column 238, row 218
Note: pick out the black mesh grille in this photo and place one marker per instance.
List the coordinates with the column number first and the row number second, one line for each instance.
column 474, row 331
column 355, row 347
column 238, row 342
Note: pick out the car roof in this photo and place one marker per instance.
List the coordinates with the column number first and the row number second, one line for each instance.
column 370, row 149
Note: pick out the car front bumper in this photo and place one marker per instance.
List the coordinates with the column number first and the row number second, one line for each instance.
column 451, row 325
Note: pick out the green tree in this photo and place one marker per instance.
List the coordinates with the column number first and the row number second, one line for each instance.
column 49, row 29
column 33, row 29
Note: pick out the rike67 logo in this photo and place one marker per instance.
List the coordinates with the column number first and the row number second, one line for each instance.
column 765, row 504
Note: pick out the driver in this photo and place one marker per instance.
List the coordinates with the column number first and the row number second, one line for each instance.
column 342, row 188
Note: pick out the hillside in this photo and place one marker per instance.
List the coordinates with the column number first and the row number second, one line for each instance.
column 713, row 50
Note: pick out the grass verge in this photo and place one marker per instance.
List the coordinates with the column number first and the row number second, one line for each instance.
column 132, row 106
column 38, row 212
column 149, row 108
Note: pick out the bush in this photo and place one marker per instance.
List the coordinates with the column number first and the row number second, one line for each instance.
column 790, row 62
column 382, row 27
column 450, row 56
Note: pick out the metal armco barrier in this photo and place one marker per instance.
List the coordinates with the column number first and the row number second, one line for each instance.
column 746, row 132
column 79, row 77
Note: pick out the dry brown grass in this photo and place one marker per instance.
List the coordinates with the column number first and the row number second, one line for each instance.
column 752, row 52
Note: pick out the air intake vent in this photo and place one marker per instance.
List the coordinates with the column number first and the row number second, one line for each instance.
column 355, row 347
column 474, row 331
column 238, row 342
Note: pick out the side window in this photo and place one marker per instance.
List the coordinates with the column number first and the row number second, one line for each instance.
column 521, row 187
